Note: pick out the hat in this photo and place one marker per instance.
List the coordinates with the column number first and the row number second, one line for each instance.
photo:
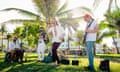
column 86, row 16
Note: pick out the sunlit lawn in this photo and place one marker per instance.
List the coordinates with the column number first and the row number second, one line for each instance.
column 33, row 66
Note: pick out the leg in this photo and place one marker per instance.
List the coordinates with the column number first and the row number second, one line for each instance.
column 42, row 54
column 12, row 55
column 89, row 45
column 18, row 53
column 38, row 51
column 54, row 52
column 21, row 55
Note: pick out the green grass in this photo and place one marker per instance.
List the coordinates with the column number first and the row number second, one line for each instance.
column 32, row 66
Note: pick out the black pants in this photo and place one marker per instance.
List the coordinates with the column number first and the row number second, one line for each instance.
column 19, row 55
column 55, row 57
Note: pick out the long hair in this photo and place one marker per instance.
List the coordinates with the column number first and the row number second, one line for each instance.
column 55, row 21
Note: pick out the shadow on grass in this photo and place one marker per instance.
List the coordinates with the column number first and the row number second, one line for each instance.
column 31, row 66
column 42, row 67
column 4, row 65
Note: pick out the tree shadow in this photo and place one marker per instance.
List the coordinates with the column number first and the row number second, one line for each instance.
column 46, row 67
column 33, row 67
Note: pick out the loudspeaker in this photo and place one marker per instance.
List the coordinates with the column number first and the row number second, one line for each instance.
column 47, row 59
column 65, row 61
column 75, row 62
column 104, row 65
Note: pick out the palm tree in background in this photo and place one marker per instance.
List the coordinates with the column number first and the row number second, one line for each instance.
column 9, row 36
column 2, row 30
column 47, row 9
column 111, row 22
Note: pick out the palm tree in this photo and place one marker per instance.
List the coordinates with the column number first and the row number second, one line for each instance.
column 8, row 39
column 113, row 24
column 2, row 30
column 46, row 10
column 79, row 35
column 28, row 33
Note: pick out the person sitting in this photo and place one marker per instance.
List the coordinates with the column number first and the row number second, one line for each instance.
column 15, row 51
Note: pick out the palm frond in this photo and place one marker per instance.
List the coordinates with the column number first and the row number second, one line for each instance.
column 62, row 8
column 46, row 7
column 96, row 3
column 81, row 10
column 18, row 21
column 71, row 22
column 24, row 12
column 106, row 34
column 3, row 28
column 109, row 26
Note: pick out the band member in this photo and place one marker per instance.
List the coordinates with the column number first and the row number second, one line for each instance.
column 41, row 48
column 90, row 38
column 57, row 32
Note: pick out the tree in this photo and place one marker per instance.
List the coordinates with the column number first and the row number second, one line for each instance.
column 79, row 35
column 46, row 10
column 2, row 30
column 113, row 24
column 28, row 33
column 8, row 38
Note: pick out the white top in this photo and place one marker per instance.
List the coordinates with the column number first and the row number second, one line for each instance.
column 60, row 33
column 41, row 44
column 12, row 46
column 92, row 36
column 41, row 41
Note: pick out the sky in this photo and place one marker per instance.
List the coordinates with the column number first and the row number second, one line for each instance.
column 28, row 5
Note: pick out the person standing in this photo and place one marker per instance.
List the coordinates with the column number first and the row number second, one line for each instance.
column 57, row 33
column 90, row 38
column 41, row 48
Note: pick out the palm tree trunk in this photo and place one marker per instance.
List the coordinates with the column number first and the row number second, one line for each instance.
column 79, row 45
column 8, row 44
column 116, row 4
column 115, row 43
column 2, row 41
column 94, row 51
column 68, row 44
column 109, row 6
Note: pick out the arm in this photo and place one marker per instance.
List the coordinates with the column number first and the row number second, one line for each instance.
column 94, row 30
column 62, row 33
column 49, row 33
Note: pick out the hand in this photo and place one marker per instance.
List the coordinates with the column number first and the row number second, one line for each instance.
column 86, row 30
column 61, row 37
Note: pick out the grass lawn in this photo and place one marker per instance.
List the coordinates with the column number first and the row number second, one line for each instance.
column 33, row 66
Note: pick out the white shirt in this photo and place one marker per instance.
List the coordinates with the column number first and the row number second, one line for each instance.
column 92, row 36
column 60, row 33
column 12, row 46
column 41, row 45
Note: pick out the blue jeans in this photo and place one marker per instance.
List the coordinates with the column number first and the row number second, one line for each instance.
column 90, row 45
